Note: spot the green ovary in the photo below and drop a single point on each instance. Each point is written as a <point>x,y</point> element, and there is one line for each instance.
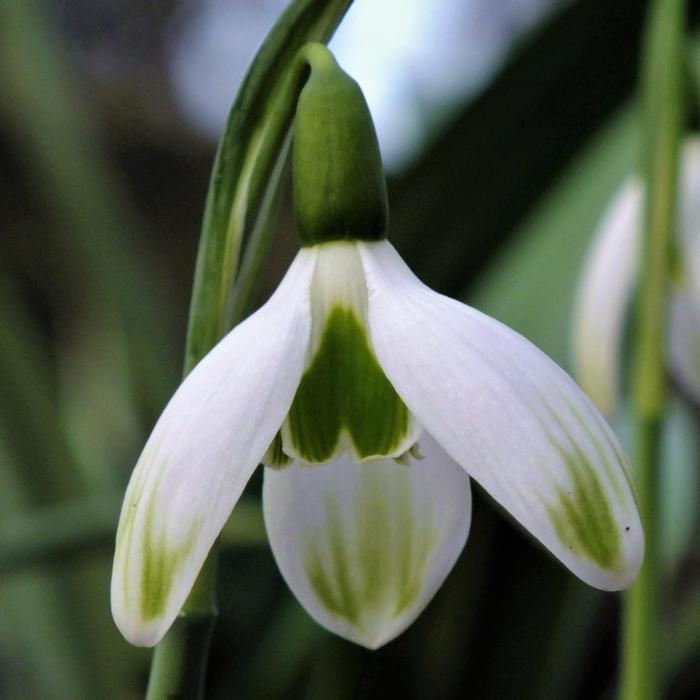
<point>345,391</point>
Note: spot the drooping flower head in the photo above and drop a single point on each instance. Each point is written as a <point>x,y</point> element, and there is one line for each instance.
<point>370,399</point>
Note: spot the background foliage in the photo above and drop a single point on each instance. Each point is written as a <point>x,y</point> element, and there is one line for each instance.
<point>102,183</point>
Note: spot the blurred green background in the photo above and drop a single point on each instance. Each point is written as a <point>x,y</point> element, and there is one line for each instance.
<point>505,125</point>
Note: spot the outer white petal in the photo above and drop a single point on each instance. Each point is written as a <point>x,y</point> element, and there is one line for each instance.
<point>684,326</point>
<point>511,417</point>
<point>689,196</point>
<point>203,449</point>
<point>603,297</point>
<point>608,279</point>
<point>684,342</point>
<point>365,546</point>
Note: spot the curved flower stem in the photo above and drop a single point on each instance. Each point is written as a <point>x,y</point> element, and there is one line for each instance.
<point>247,171</point>
<point>242,201</point>
<point>662,86</point>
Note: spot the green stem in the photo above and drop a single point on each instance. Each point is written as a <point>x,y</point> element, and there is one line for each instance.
<point>243,196</point>
<point>179,663</point>
<point>662,86</point>
<point>248,167</point>
<point>640,680</point>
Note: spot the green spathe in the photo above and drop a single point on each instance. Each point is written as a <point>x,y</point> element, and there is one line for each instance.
<point>338,179</point>
<point>344,392</point>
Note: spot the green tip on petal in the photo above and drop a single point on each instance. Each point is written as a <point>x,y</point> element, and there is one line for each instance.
<point>338,178</point>
<point>511,418</point>
<point>359,573</point>
<point>364,547</point>
<point>582,516</point>
<point>203,450</point>
<point>344,393</point>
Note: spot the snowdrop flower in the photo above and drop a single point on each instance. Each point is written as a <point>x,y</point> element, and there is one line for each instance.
<point>370,399</point>
<point>609,278</point>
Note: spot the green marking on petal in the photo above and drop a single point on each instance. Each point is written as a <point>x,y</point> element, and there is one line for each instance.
<point>332,582</point>
<point>134,496</point>
<point>345,392</point>
<point>160,560</point>
<point>583,518</point>
<point>125,530</point>
<point>275,457</point>
<point>371,567</point>
<point>582,515</point>
<point>160,563</point>
<point>617,471</point>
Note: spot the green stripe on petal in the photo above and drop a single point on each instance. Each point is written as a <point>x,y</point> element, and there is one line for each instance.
<point>582,516</point>
<point>344,396</point>
<point>202,452</point>
<point>160,557</point>
<point>161,560</point>
<point>614,463</point>
<point>365,546</point>
<point>275,456</point>
<point>356,569</point>
<point>510,417</point>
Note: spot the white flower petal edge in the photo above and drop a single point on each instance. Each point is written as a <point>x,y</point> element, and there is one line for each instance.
<point>365,546</point>
<point>204,448</point>
<point>610,274</point>
<point>684,342</point>
<point>689,207</point>
<point>684,326</point>
<point>511,418</point>
<point>604,295</point>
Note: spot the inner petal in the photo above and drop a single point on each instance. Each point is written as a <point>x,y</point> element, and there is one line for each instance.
<point>344,401</point>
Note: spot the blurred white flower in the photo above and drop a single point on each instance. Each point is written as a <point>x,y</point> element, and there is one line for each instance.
<point>609,278</point>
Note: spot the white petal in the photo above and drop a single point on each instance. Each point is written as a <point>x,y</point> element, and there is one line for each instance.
<point>365,546</point>
<point>684,326</point>
<point>609,276</point>
<point>689,194</point>
<point>684,342</point>
<point>511,417</point>
<point>603,297</point>
<point>679,485</point>
<point>203,449</point>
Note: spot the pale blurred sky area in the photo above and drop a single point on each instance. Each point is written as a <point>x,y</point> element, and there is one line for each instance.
<point>415,59</point>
